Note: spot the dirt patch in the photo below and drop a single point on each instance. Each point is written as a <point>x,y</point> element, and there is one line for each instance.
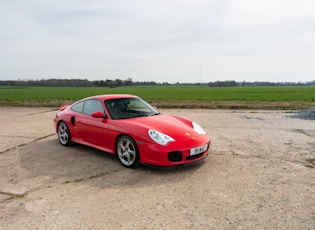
<point>252,105</point>
<point>259,175</point>
<point>184,104</point>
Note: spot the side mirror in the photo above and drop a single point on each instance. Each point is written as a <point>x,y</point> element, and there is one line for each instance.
<point>98,115</point>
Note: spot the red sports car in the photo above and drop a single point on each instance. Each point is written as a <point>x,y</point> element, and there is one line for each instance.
<point>128,126</point>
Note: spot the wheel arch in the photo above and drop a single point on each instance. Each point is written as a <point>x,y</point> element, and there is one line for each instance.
<point>58,122</point>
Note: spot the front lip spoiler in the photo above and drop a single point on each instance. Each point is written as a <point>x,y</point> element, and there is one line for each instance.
<point>199,161</point>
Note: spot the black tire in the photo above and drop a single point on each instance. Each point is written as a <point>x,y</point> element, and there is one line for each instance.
<point>64,136</point>
<point>127,152</point>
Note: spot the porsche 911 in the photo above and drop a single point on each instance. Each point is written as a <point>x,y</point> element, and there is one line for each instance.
<point>132,129</point>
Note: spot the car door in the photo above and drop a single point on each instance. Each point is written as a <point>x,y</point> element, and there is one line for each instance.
<point>92,130</point>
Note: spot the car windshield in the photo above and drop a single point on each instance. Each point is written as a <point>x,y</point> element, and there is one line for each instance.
<point>124,108</point>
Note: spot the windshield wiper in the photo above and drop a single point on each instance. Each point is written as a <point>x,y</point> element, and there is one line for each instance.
<point>154,114</point>
<point>146,115</point>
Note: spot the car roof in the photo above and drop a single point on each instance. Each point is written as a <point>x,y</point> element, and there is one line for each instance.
<point>111,96</point>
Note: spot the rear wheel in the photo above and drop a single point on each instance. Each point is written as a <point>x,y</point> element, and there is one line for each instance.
<point>127,152</point>
<point>64,134</point>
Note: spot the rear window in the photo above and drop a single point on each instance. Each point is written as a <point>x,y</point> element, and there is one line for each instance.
<point>78,107</point>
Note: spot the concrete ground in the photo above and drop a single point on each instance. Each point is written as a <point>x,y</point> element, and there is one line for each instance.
<point>259,175</point>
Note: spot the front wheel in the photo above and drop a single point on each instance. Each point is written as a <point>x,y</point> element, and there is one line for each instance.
<point>127,152</point>
<point>64,134</point>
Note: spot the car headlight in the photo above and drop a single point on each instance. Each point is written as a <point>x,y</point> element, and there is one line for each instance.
<point>198,129</point>
<point>159,138</point>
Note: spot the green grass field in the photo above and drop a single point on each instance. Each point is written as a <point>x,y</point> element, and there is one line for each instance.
<point>283,97</point>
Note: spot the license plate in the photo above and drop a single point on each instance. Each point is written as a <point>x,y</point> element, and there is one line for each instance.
<point>198,150</point>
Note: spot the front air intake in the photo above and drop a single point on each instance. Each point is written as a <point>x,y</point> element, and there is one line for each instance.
<point>175,156</point>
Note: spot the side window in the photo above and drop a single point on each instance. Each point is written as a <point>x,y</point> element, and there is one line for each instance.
<point>78,107</point>
<point>91,106</point>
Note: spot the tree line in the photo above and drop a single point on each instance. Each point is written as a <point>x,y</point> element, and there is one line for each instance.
<point>130,82</point>
<point>258,83</point>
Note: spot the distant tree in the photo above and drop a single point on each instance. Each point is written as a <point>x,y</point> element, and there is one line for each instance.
<point>128,82</point>
<point>118,82</point>
<point>223,84</point>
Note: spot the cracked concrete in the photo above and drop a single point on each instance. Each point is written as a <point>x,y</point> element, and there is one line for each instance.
<point>19,126</point>
<point>259,175</point>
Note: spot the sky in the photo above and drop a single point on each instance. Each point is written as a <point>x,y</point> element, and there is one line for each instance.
<point>186,41</point>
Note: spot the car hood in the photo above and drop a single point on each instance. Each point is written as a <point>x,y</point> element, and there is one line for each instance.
<point>176,127</point>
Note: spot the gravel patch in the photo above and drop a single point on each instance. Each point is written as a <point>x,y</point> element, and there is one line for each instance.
<point>307,114</point>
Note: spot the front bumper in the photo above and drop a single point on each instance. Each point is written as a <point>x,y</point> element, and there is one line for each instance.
<point>187,164</point>
<point>175,153</point>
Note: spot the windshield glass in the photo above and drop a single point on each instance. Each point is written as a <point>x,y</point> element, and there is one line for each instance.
<point>123,108</point>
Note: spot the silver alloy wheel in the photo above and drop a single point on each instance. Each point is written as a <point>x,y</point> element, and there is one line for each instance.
<point>63,133</point>
<point>127,152</point>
